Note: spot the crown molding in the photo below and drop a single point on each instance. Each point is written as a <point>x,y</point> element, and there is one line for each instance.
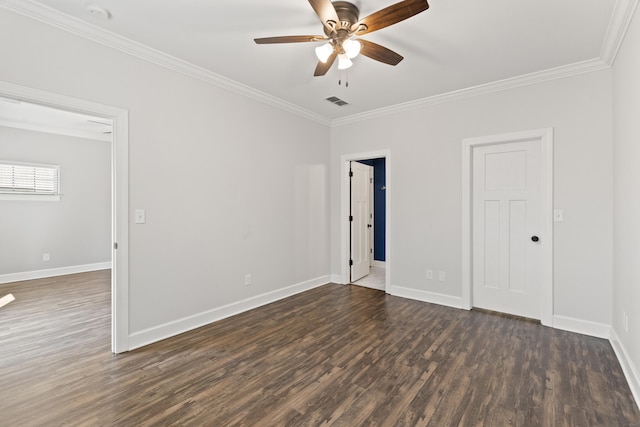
<point>623,11</point>
<point>621,16</point>
<point>484,89</point>
<point>78,27</point>
<point>620,19</point>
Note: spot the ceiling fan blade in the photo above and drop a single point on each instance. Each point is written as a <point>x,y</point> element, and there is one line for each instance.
<point>379,53</point>
<point>289,39</point>
<point>323,67</point>
<point>326,12</point>
<point>389,16</point>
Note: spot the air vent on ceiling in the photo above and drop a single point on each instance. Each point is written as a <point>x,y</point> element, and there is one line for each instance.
<point>335,100</point>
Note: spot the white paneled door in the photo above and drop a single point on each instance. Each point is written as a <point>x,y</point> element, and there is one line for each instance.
<point>360,217</point>
<point>506,224</point>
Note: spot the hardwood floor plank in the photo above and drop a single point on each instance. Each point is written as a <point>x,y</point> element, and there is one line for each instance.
<point>333,356</point>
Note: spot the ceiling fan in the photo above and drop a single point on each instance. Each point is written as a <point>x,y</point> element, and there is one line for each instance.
<point>342,24</point>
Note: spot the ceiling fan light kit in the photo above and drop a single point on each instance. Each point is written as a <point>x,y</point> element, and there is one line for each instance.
<point>341,23</point>
<point>351,48</point>
<point>324,52</point>
<point>344,62</point>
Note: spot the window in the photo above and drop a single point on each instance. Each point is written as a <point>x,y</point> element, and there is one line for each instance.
<point>20,181</point>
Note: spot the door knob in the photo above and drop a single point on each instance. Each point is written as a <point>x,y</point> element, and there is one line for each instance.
<point>534,238</point>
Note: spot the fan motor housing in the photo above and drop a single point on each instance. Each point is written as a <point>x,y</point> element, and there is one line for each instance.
<point>348,14</point>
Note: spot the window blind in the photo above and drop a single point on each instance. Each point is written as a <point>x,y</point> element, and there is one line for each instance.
<point>23,178</point>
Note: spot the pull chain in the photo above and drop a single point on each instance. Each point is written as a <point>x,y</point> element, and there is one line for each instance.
<point>340,78</point>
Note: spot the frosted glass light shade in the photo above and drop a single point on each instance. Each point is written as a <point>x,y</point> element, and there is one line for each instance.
<point>351,48</point>
<point>324,52</point>
<point>344,62</point>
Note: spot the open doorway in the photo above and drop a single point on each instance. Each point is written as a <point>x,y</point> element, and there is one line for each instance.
<point>117,119</point>
<point>365,201</point>
<point>367,223</point>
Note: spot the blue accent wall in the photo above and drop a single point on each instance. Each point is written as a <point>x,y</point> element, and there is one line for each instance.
<point>379,203</point>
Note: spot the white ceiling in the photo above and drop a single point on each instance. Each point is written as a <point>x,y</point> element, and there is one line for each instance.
<point>453,46</point>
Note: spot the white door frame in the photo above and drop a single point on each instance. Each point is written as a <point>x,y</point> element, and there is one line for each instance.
<point>344,211</point>
<point>119,194</point>
<point>545,136</point>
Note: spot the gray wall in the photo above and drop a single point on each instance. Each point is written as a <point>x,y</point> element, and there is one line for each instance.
<point>74,231</point>
<point>626,238</point>
<point>231,186</point>
<point>425,192</point>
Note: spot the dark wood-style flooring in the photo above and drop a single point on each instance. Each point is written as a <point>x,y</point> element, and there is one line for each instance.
<point>336,355</point>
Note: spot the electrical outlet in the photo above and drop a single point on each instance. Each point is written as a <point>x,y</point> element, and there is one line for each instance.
<point>45,257</point>
<point>429,274</point>
<point>247,279</point>
<point>442,276</point>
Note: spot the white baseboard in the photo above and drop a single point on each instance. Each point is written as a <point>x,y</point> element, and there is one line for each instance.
<point>629,369</point>
<point>176,327</point>
<point>585,327</point>
<point>426,296</point>
<point>380,264</point>
<point>52,272</point>
<point>336,278</point>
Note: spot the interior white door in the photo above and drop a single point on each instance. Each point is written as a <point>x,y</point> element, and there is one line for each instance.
<point>507,219</point>
<point>360,220</point>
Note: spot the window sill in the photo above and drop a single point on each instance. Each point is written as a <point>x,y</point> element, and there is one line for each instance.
<point>30,197</point>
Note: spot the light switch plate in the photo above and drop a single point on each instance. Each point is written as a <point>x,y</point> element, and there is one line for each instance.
<point>558,215</point>
<point>140,216</point>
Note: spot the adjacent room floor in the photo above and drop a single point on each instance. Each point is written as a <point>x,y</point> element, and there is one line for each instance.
<point>335,355</point>
<point>376,279</point>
